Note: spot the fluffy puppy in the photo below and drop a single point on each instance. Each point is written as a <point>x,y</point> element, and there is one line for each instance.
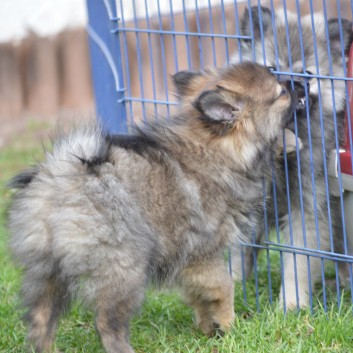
<point>103,216</point>
<point>313,220</point>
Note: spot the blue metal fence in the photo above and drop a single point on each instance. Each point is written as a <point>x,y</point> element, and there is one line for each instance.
<point>106,64</point>
<point>135,46</point>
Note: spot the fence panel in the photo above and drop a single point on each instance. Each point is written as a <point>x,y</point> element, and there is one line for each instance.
<point>137,44</point>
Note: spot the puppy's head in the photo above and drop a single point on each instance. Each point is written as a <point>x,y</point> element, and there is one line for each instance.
<point>242,102</point>
<point>308,45</point>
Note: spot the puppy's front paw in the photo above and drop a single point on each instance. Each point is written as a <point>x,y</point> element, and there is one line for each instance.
<point>213,323</point>
<point>217,330</point>
<point>291,301</point>
<point>214,329</point>
<point>291,143</point>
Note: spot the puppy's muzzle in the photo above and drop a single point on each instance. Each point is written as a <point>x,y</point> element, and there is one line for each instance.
<point>299,89</point>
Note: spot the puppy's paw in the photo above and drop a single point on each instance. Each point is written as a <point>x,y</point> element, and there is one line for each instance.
<point>291,143</point>
<point>292,303</point>
<point>216,326</point>
<point>217,331</point>
<point>212,329</point>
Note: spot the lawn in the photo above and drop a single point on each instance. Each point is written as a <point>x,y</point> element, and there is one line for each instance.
<point>164,323</point>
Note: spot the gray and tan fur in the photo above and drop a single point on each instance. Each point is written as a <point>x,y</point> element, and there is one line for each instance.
<point>103,216</point>
<point>319,97</point>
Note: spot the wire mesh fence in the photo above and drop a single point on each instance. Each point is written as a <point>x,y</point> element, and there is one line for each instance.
<point>307,235</point>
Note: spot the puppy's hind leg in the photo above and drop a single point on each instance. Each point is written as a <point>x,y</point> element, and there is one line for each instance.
<point>116,303</point>
<point>208,288</point>
<point>47,299</point>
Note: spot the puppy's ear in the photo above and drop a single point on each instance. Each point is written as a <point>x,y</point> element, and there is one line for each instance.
<point>335,36</point>
<point>255,16</point>
<point>183,81</point>
<point>219,109</point>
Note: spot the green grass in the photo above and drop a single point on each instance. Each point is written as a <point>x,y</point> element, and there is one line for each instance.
<point>164,324</point>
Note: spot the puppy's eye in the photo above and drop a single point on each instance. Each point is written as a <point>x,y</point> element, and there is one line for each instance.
<point>309,73</point>
<point>271,68</point>
<point>283,91</point>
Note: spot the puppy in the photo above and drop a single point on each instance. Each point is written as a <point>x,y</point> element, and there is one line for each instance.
<point>313,220</point>
<point>103,216</point>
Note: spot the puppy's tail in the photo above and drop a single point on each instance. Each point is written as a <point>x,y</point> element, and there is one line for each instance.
<point>86,146</point>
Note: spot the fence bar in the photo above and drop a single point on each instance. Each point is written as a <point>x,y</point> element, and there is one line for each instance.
<point>106,65</point>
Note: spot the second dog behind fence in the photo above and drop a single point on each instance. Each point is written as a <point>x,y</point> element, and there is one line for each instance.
<point>308,216</point>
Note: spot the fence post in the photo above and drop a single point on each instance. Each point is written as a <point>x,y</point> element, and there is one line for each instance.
<point>106,65</point>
